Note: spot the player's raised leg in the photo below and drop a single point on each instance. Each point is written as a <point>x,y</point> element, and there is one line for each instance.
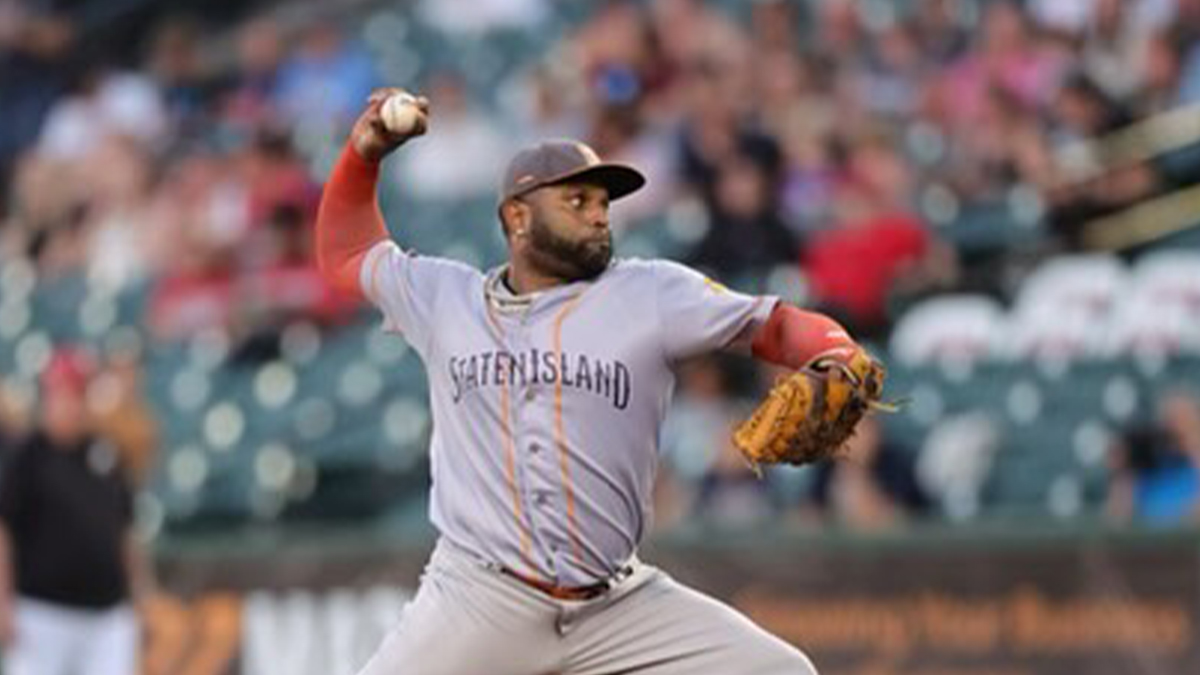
<point>466,619</point>
<point>666,628</point>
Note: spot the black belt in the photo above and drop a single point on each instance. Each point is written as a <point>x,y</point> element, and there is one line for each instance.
<point>589,592</point>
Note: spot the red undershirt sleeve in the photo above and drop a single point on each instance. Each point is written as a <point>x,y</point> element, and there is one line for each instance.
<point>349,223</point>
<point>792,337</point>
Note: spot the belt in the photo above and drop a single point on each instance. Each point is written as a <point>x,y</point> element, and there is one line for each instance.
<point>589,592</point>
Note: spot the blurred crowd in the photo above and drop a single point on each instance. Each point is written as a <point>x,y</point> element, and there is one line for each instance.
<point>830,141</point>
<point>804,134</point>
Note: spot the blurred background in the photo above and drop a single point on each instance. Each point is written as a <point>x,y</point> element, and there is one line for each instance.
<point>1001,198</point>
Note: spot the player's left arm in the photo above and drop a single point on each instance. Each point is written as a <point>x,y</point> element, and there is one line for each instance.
<point>698,315</point>
<point>794,338</point>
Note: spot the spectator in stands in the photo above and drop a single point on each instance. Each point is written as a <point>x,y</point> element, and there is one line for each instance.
<point>186,80</point>
<point>282,288</point>
<point>1115,45</point>
<point>70,568</point>
<point>889,83</point>
<point>1155,477</point>
<point>941,31</point>
<point>329,75</point>
<point>1083,112</point>
<point>706,476</point>
<point>840,32</point>
<point>120,220</point>
<point>250,93</point>
<point>271,176</point>
<point>436,170</point>
<point>875,487</point>
<point>37,42</point>
<point>774,25</point>
<point>1008,55</point>
<point>875,244</point>
<point>47,209</point>
<point>103,102</point>
<point>546,104</point>
<point>746,235</point>
<point>1166,80</point>
<point>690,32</point>
<point>473,17</point>
<point>714,131</point>
<point>1007,147</point>
<point>194,296</point>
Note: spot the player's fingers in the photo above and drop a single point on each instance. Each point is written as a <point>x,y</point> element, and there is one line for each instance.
<point>382,93</point>
<point>423,104</point>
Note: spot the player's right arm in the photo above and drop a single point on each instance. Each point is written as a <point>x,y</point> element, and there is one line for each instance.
<point>349,223</point>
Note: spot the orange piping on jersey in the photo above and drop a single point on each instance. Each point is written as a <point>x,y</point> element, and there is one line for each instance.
<point>510,467</point>
<point>560,436</point>
<point>510,456</point>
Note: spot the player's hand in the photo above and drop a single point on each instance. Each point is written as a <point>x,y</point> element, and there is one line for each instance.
<point>371,137</point>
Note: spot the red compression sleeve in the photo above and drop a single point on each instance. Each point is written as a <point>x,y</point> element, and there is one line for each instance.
<point>792,337</point>
<point>348,221</point>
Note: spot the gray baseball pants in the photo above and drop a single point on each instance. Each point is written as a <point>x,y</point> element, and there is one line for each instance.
<point>468,619</point>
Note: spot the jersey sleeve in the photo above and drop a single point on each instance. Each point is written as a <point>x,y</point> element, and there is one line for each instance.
<point>407,287</point>
<point>699,315</point>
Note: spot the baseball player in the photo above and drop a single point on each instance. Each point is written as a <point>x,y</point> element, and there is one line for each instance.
<point>549,378</point>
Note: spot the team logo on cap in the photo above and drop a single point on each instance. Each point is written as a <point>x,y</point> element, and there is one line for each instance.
<point>589,155</point>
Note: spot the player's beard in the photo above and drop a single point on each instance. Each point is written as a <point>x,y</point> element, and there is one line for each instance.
<point>568,259</point>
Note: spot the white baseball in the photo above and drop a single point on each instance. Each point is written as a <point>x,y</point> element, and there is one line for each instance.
<point>400,113</point>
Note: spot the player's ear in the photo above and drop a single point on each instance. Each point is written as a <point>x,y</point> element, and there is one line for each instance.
<point>515,215</point>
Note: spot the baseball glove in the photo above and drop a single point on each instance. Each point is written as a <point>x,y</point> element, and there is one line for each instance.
<point>809,414</point>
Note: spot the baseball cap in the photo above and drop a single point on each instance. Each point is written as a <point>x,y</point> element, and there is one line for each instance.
<point>69,369</point>
<point>560,161</point>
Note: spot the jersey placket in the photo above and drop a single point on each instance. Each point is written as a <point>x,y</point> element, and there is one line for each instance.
<point>519,401</point>
<point>507,329</point>
<point>534,433</point>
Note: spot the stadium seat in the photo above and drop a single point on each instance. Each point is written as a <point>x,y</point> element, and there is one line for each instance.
<point>947,327</point>
<point>1044,330</point>
<point>1152,324</point>
<point>1091,282</point>
<point>1170,276</point>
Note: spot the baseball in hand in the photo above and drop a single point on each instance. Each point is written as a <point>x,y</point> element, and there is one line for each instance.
<point>400,113</point>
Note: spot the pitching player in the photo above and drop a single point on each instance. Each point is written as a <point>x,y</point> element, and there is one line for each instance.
<point>549,378</point>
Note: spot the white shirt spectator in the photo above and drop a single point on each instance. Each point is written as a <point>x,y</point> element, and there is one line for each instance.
<point>459,158</point>
<point>121,103</point>
<point>480,16</point>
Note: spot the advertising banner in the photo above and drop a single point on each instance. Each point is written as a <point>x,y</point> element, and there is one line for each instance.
<point>1050,608</point>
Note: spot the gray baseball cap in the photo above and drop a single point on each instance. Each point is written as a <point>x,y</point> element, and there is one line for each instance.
<point>562,161</point>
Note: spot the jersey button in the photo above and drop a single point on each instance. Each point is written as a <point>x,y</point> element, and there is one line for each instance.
<point>540,499</point>
<point>534,448</point>
<point>530,394</point>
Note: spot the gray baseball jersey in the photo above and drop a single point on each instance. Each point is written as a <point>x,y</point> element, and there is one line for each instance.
<point>547,407</point>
